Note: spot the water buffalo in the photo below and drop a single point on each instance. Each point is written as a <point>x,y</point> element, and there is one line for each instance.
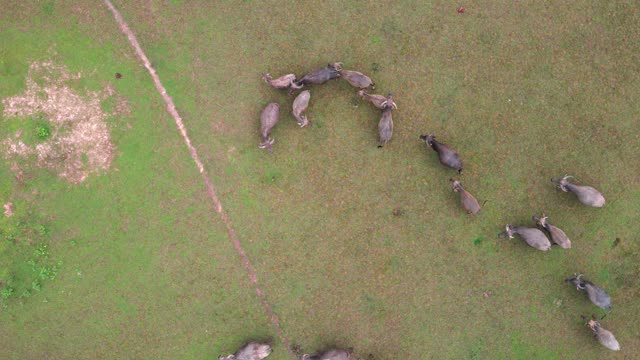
<point>268,120</point>
<point>596,294</point>
<point>300,105</point>
<point>378,101</point>
<point>532,236</point>
<point>357,79</point>
<point>321,75</point>
<point>469,202</point>
<point>385,126</point>
<point>604,336</point>
<point>251,351</point>
<point>586,194</point>
<point>448,157</point>
<point>335,354</point>
<point>557,236</point>
<point>389,103</point>
<point>283,82</point>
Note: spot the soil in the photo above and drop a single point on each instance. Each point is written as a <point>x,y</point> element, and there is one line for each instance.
<point>80,143</point>
<point>8,209</point>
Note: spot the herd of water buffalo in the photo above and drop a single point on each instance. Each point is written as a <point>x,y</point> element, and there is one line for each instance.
<point>259,351</point>
<point>271,113</point>
<point>533,236</point>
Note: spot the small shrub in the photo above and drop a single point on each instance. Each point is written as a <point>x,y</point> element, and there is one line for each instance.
<point>24,268</point>
<point>6,292</point>
<point>42,230</point>
<point>43,132</point>
<point>48,272</point>
<point>41,250</point>
<point>35,285</point>
<point>478,240</point>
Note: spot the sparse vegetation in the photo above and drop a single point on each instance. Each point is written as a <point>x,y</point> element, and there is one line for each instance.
<point>7,291</point>
<point>43,132</point>
<point>25,263</point>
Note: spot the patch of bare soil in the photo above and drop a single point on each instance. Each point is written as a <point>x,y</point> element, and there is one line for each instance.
<point>8,209</point>
<point>80,143</point>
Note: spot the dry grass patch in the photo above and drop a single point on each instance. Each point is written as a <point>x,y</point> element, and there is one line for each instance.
<point>79,143</point>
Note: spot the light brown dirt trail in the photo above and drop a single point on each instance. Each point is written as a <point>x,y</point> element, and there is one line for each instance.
<point>211,192</point>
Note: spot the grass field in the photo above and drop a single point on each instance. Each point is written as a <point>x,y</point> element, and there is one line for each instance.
<point>134,262</point>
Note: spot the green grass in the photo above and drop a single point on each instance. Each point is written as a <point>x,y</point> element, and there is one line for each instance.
<point>141,261</point>
<point>524,92</point>
<point>34,129</point>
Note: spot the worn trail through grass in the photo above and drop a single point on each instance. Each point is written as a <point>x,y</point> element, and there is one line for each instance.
<point>211,192</point>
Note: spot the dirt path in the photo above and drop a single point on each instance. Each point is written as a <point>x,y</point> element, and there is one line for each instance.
<point>211,192</point>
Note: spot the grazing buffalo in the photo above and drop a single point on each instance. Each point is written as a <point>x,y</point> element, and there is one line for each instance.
<point>268,120</point>
<point>469,202</point>
<point>389,103</point>
<point>595,293</point>
<point>251,351</point>
<point>557,236</point>
<point>283,82</point>
<point>448,156</point>
<point>532,236</point>
<point>335,354</point>
<point>357,79</point>
<point>586,194</point>
<point>300,105</point>
<point>604,336</point>
<point>385,126</point>
<point>321,75</point>
<point>378,101</point>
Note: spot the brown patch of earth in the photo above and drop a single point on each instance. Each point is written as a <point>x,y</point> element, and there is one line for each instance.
<point>80,143</point>
<point>8,209</point>
<point>17,171</point>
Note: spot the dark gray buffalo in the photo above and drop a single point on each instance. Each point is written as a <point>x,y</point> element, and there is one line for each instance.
<point>448,156</point>
<point>321,75</point>
<point>595,293</point>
